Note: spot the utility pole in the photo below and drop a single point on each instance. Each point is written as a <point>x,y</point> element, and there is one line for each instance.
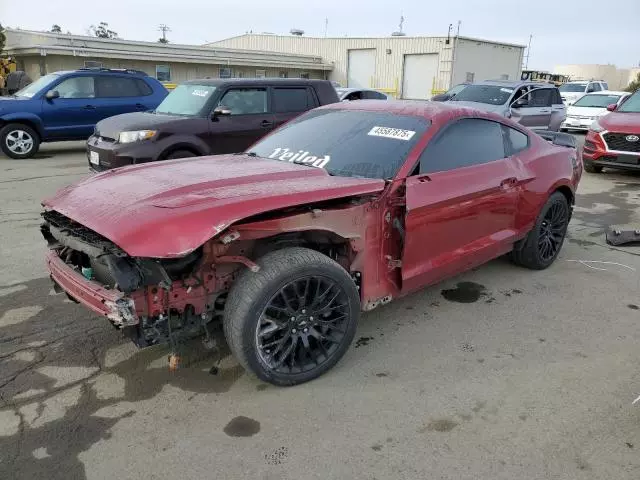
<point>164,29</point>
<point>526,65</point>
<point>326,27</point>
<point>458,30</point>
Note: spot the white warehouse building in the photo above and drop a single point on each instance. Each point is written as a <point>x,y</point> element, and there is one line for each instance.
<point>405,67</point>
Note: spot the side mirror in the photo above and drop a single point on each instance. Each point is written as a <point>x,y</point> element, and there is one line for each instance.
<point>612,107</point>
<point>51,94</point>
<point>221,111</point>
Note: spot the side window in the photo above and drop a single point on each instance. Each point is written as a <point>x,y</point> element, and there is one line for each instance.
<point>112,86</point>
<point>540,98</point>
<point>245,101</point>
<point>556,99</point>
<point>516,140</point>
<point>595,87</point>
<point>286,100</point>
<point>605,86</point>
<point>143,87</point>
<point>374,96</point>
<point>464,143</point>
<point>77,87</point>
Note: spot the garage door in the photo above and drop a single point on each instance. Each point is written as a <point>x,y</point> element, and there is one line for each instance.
<point>418,75</point>
<point>361,68</point>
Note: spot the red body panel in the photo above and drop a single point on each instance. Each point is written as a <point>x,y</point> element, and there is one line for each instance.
<point>452,220</point>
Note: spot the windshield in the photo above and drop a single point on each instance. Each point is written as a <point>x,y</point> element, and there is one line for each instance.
<point>600,101</point>
<point>631,104</point>
<point>187,100</point>
<point>33,88</point>
<point>457,89</point>
<point>351,144</point>
<point>572,87</point>
<point>491,94</point>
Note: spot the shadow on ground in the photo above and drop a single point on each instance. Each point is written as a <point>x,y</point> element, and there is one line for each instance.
<point>42,337</point>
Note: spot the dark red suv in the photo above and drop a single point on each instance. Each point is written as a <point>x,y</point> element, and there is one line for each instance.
<point>614,140</point>
<point>204,117</point>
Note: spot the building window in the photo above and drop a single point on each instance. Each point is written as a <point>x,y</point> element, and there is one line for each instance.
<point>92,64</point>
<point>470,76</point>
<point>163,73</point>
<point>504,76</point>
<point>261,73</point>
<point>283,75</point>
<point>240,74</point>
<point>304,75</point>
<point>226,72</point>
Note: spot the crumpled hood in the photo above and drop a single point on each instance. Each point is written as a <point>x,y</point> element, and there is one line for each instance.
<point>622,122</point>
<point>168,209</point>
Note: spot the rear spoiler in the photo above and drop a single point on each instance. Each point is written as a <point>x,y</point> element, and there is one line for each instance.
<point>558,138</point>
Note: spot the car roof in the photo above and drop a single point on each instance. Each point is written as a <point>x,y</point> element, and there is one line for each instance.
<point>512,83</point>
<point>353,89</point>
<point>435,111</point>
<point>216,82</point>
<point>100,71</point>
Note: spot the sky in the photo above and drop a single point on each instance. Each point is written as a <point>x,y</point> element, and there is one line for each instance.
<point>564,32</point>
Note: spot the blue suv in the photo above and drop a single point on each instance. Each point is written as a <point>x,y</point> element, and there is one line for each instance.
<point>67,105</point>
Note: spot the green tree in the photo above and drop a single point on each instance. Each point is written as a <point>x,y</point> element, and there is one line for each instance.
<point>102,31</point>
<point>3,38</point>
<point>634,85</point>
<point>56,28</point>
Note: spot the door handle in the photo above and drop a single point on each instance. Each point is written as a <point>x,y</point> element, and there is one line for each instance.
<point>89,107</point>
<point>266,124</point>
<point>509,182</point>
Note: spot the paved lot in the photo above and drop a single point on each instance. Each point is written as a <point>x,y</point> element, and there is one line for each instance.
<point>533,379</point>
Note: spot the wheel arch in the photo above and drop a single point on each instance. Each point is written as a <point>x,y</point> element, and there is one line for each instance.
<point>180,146</point>
<point>32,122</point>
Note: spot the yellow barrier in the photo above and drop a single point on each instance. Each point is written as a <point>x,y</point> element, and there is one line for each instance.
<point>169,86</point>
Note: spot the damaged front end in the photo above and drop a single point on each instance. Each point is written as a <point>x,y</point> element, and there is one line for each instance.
<point>151,300</point>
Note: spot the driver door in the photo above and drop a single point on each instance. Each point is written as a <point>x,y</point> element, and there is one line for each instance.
<point>461,206</point>
<point>536,111</point>
<point>250,120</point>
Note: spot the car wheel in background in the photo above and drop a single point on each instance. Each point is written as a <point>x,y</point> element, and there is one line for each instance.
<point>294,318</point>
<point>591,168</point>
<point>542,245</point>
<point>180,154</point>
<point>19,141</point>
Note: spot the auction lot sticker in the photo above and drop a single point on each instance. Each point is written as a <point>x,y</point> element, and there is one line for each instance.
<point>388,132</point>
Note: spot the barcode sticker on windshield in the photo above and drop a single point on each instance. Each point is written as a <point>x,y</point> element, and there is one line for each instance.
<point>388,132</point>
<point>507,90</point>
<point>199,93</point>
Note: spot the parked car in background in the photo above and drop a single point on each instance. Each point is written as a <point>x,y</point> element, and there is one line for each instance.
<point>613,140</point>
<point>532,104</point>
<point>572,91</point>
<point>590,107</point>
<point>449,94</point>
<point>67,105</point>
<point>340,211</point>
<point>360,94</point>
<point>204,117</point>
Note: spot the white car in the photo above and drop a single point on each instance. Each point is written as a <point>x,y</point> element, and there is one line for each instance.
<point>348,94</point>
<point>590,107</point>
<point>572,91</point>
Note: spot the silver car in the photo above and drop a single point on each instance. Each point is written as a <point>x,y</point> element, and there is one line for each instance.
<point>359,94</point>
<point>532,104</point>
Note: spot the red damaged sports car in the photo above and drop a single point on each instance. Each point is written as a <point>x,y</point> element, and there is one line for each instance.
<point>341,210</point>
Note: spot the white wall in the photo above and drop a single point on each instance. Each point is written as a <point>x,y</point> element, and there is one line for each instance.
<point>617,78</point>
<point>486,61</point>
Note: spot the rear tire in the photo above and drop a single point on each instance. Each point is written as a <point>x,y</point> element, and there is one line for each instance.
<point>180,154</point>
<point>591,168</point>
<point>313,308</point>
<point>19,141</point>
<point>543,243</point>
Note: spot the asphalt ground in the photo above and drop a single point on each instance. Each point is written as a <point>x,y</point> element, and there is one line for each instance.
<point>500,373</point>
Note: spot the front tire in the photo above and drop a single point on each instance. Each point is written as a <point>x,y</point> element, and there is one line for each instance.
<point>19,141</point>
<point>542,245</point>
<point>294,319</point>
<point>591,168</point>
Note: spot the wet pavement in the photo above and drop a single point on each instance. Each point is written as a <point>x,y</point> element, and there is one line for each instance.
<point>499,373</point>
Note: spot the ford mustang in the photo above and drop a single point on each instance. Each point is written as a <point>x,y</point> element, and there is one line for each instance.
<point>343,209</point>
